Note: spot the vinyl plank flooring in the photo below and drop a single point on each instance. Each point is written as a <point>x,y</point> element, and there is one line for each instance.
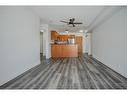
<point>83,72</point>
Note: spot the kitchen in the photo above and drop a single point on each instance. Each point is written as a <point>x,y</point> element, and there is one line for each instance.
<point>66,45</point>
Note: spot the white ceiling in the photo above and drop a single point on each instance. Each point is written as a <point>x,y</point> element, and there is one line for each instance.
<point>53,14</point>
<point>89,15</point>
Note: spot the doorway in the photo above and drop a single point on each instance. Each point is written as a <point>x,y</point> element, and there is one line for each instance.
<point>41,45</point>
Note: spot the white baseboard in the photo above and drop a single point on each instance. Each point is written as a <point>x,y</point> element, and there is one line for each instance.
<point>125,75</point>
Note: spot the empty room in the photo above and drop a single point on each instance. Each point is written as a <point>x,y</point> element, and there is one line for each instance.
<point>63,47</point>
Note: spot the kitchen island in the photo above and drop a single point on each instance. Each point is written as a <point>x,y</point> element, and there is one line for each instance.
<point>64,50</point>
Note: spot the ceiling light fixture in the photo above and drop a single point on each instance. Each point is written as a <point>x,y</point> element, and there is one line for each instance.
<point>81,31</point>
<point>41,30</point>
<point>67,31</point>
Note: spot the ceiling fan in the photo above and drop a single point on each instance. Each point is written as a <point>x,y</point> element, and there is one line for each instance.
<point>71,21</point>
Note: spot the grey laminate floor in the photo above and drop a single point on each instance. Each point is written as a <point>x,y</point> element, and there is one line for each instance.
<point>83,72</point>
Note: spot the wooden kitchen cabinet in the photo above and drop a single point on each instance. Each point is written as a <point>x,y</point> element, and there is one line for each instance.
<point>54,35</point>
<point>72,36</point>
<point>56,50</point>
<point>63,37</point>
<point>78,40</point>
<point>70,50</point>
<point>64,50</point>
<point>66,37</point>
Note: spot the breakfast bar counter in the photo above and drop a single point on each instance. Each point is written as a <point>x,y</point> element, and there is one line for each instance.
<point>64,50</point>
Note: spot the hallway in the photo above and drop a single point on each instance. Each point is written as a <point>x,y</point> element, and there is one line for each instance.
<point>83,72</point>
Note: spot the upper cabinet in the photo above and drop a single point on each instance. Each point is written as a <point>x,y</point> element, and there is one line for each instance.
<point>66,37</point>
<point>72,36</point>
<point>54,35</point>
<point>63,37</point>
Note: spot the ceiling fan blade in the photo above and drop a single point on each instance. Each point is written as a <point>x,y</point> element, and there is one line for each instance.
<point>64,21</point>
<point>73,25</point>
<point>78,23</point>
<point>72,22</point>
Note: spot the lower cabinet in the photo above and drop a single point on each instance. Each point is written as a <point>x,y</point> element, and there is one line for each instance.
<point>56,50</point>
<point>64,50</point>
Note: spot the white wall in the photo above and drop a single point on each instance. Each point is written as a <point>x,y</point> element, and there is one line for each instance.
<point>46,40</point>
<point>19,42</point>
<point>88,44</point>
<point>109,42</point>
<point>44,43</point>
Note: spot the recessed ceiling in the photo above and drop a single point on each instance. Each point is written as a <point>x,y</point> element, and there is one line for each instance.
<point>53,14</point>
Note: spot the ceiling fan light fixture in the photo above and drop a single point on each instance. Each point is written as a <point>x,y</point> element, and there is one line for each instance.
<point>71,22</point>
